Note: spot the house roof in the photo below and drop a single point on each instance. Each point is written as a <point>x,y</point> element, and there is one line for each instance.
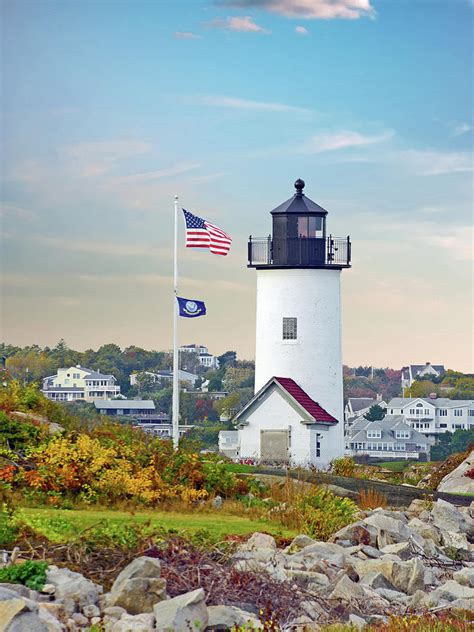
<point>386,426</point>
<point>125,404</point>
<point>439,402</point>
<point>418,368</point>
<point>312,410</point>
<point>304,400</point>
<point>359,403</point>
<point>299,203</point>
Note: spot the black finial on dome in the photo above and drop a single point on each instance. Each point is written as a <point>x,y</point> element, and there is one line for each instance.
<point>299,186</point>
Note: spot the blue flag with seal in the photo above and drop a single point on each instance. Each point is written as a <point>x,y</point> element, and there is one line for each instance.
<point>191,308</point>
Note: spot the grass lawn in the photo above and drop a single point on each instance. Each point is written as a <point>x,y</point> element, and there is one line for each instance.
<point>60,525</point>
<point>394,466</point>
<point>240,468</point>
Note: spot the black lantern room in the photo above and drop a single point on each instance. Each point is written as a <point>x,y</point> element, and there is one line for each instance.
<point>299,238</point>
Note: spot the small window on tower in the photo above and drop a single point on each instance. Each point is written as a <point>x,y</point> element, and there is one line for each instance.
<point>289,329</point>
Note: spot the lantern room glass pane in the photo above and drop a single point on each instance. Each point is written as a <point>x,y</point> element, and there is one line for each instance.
<point>303,226</point>
<point>315,226</point>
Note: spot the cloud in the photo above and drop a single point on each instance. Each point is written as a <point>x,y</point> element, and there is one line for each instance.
<point>310,9</point>
<point>246,104</point>
<point>461,128</point>
<point>301,30</point>
<point>341,140</point>
<point>150,176</point>
<point>96,158</point>
<point>434,163</point>
<point>186,35</point>
<point>7,209</point>
<point>100,248</point>
<point>159,279</point>
<point>242,24</point>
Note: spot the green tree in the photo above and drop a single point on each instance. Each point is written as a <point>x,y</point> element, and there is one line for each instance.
<point>376,413</point>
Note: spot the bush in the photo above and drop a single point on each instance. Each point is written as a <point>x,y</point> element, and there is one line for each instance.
<point>9,528</point>
<point>371,499</point>
<point>343,466</point>
<point>31,574</point>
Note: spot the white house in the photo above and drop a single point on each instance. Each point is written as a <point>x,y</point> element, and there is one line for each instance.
<point>183,376</point>
<point>357,407</point>
<point>78,383</point>
<point>413,371</point>
<point>205,358</point>
<point>282,424</point>
<point>389,438</point>
<point>229,443</point>
<point>298,417</point>
<point>434,415</point>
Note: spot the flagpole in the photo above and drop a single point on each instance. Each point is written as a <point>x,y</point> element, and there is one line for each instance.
<point>175,418</point>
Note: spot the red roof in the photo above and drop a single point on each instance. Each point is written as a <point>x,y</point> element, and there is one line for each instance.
<point>304,400</point>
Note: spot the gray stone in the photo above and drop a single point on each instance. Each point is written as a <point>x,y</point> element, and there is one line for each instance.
<point>25,622</point>
<point>356,621</point>
<point>308,578</point>
<point>347,590</point>
<point>465,577</point>
<point>425,530</point>
<point>448,517</point>
<point>406,577</point>
<point>390,595</point>
<point>450,591</point>
<point>230,617</point>
<point>375,580</point>
<point>402,549</point>
<point>80,619</point>
<point>185,613</point>
<point>357,533</point>
<point>73,586</point>
<point>217,502</point>
<point>456,482</point>
<point>371,551</point>
<point>49,620</point>
<point>455,545</point>
<point>391,530</point>
<point>330,553</point>
<point>139,586</point>
<point>258,541</point>
<point>48,589</point>
<point>463,604</point>
<point>134,623</point>
<point>299,543</point>
<point>7,591</point>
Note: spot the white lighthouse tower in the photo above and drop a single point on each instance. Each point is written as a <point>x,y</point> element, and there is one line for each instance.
<point>297,412</point>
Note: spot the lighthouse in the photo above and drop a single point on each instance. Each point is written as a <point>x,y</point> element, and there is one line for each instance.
<point>296,415</point>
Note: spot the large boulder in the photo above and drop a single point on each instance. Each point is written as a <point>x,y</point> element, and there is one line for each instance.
<point>456,482</point>
<point>407,577</point>
<point>391,530</point>
<point>450,591</point>
<point>449,518</point>
<point>138,587</point>
<point>231,618</point>
<point>73,589</point>
<point>259,541</point>
<point>134,623</point>
<point>185,613</point>
<point>465,576</point>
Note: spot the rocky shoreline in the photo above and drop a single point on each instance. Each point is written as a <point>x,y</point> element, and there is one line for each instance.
<point>388,562</point>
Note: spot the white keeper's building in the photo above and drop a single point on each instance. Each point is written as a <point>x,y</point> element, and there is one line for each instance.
<point>296,415</point>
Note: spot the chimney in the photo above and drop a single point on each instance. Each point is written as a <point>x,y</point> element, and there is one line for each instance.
<point>379,397</point>
<point>433,395</point>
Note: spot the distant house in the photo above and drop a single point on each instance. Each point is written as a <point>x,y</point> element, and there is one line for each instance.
<point>126,407</point>
<point>183,376</point>
<point>142,414</point>
<point>357,407</point>
<point>427,370</point>
<point>229,443</point>
<point>205,358</point>
<point>434,415</point>
<point>78,383</point>
<point>390,438</point>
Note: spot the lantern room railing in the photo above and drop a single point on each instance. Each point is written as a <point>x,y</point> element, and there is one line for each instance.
<point>330,252</point>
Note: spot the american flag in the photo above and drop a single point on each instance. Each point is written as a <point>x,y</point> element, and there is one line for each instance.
<point>203,234</point>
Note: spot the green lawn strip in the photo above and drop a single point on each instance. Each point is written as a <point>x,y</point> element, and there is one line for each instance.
<point>240,468</point>
<point>394,466</point>
<point>60,525</point>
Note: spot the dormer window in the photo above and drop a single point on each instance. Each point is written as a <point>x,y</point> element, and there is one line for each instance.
<point>402,434</point>
<point>374,434</point>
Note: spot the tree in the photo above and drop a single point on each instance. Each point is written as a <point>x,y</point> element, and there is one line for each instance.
<point>229,405</point>
<point>227,359</point>
<point>376,413</point>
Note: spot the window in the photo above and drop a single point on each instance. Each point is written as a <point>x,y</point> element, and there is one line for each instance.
<point>442,412</point>
<point>458,412</point>
<point>427,412</point>
<point>318,445</point>
<point>471,413</point>
<point>374,434</point>
<point>289,329</point>
<point>443,425</point>
<point>412,411</point>
<point>402,434</point>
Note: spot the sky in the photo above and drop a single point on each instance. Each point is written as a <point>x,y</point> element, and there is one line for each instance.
<point>111,108</point>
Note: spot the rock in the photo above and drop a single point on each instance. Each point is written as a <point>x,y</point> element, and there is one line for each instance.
<point>18,589</point>
<point>455,482</point>
<point>448,592</point>
<point>390,595</point>
<point>48,619</point>
<point>347,590</point>
<point>376,580</point>
<point>25,622</point>
<point>390,530</point>
<point>448,518</point>
<point>305,579</point>
<point>185,613</point>
<point>259,541</point>
<point>327,552</point>
<point>357,533</point>
<point>230,617</point>
<point>91,611</point>
<point>406,576</point>
<point>371,551</point>
<point>425,530</point>
<point>357,622</point>
<point>217,502</point>
<point>48,589</point>
<point>465,577</point>
<point>80,619</point>
<point>139,586</point>
<point>455,545</point>
<point>299,543</point>
<point>417,506</point>
<point>402,549</point>
<point>9,608</point>
<point>144,622</point>
<point>72,587</point>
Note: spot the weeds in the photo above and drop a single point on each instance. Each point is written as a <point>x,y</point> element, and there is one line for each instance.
<point>31,574</point>
<point>370,498</point>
